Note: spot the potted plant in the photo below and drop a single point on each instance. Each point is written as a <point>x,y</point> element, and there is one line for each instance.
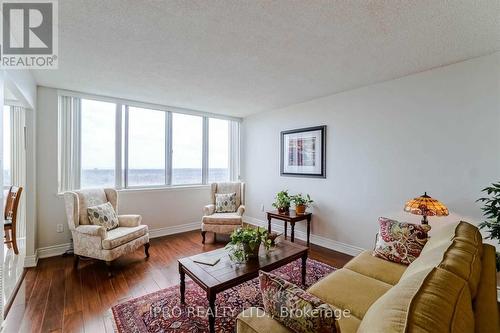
<point>491,211</point>
<point>301,202</point>
<point>282,202</point>
<point>245,243</point>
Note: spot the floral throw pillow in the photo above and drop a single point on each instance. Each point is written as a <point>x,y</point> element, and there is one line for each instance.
<point>225,202</point>
<point>400,242</point>
<point>294,307</point>
<point>103,215</point>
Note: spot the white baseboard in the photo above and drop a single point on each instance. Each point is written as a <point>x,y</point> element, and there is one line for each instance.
<point>175,229</point>
<point>52,251</point>
<point>314,239</point>
<point>31,261</point>
<point>57,250</point>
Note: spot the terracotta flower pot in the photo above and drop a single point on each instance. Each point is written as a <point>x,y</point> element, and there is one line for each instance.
<point>300,209</point>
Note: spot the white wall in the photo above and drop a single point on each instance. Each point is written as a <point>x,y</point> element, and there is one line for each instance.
<point>164,211</point>
<point>436,131</point>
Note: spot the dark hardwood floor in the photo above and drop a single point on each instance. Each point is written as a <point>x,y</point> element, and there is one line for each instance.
<point>55,298</point>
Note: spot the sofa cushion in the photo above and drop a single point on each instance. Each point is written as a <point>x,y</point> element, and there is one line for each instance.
<point>471,234</point>
<point>122,235</point>
<point>380,269</point>
<point>222,218</point>
<point>432,300</point>
<point>255,320</point>
<point>400,242</point>
<point>349,290</point>
<point>485,305</point>
<point>459,230</point>
<point>458,256</point>
<point>294,307</point>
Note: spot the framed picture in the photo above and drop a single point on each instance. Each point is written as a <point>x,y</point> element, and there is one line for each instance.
<point>303,152</point>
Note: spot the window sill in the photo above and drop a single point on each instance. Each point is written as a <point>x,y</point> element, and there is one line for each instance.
<point>157,189</point>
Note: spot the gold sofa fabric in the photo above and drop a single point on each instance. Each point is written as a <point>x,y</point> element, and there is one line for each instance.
<point>345,289</point>
<point>377,268</point>
<point>458,256</point>
<point>485,304</point>
<point>451,287</point>
<point>253,320</point>
<point>432,300</point>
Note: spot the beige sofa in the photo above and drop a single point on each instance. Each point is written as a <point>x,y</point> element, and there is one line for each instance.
<point>451,287</point>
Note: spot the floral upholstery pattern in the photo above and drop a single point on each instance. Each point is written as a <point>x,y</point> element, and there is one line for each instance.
<point>225,202</point>
<point>95,241</point>
<point>227,222</point>
<point>400,242</point>
<point>294,307</point>
<point>103,215</point>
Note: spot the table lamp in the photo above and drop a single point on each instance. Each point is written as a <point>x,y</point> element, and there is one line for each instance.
<point>426,206</point>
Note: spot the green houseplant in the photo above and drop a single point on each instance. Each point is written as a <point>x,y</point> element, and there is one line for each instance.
<point>282,201</point>
<point>301,202</point>
<point>245,243</point>
<point>491,211</point>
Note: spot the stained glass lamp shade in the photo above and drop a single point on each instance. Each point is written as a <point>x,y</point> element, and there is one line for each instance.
<point>426,206</point>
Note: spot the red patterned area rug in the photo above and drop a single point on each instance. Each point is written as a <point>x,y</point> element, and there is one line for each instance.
<point>161,311</point>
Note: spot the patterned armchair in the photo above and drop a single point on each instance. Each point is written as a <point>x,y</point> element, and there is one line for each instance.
<point>95,241</point>
<point>223,223</point>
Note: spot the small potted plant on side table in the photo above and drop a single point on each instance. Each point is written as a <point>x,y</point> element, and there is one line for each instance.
<point>282,202</point>
<point>245,243</point>
<point>491,212</point>
<point>301,202</point>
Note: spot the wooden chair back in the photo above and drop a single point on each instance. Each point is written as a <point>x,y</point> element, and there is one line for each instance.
<point>12,203</point>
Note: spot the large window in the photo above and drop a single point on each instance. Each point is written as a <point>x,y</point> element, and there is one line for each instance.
<point>187,149</point>
<point>97,144</point>
<point>146,147</point>
<point>106,144</point>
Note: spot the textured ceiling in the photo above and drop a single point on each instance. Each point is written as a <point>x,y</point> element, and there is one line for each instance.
<point>242,57</point>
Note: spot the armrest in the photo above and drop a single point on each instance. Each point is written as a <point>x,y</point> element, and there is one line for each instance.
<point>241,210</point>
<point>92,230</point>
<point>208,210</point>
<point>129,220</point>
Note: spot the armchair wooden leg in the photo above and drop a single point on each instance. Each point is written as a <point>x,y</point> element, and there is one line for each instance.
<point>76,261</point>
<point>110,272</point>
<point>203,237</point>
<point>146,249</point>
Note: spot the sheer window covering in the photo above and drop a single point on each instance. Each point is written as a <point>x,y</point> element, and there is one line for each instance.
<point>18,161</point>
<point>69,137</point>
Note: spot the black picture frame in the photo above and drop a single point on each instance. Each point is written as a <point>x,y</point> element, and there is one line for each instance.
<point>322,173</point>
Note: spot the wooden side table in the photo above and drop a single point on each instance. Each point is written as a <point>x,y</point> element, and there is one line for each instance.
<point>290,217</point>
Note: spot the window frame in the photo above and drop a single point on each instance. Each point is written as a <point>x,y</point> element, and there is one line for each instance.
<point>122,141</point>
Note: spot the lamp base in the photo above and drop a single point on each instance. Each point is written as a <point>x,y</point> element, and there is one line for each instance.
<point>424,220</point>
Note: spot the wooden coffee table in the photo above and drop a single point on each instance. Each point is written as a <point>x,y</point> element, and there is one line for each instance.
<point>227,274</point>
